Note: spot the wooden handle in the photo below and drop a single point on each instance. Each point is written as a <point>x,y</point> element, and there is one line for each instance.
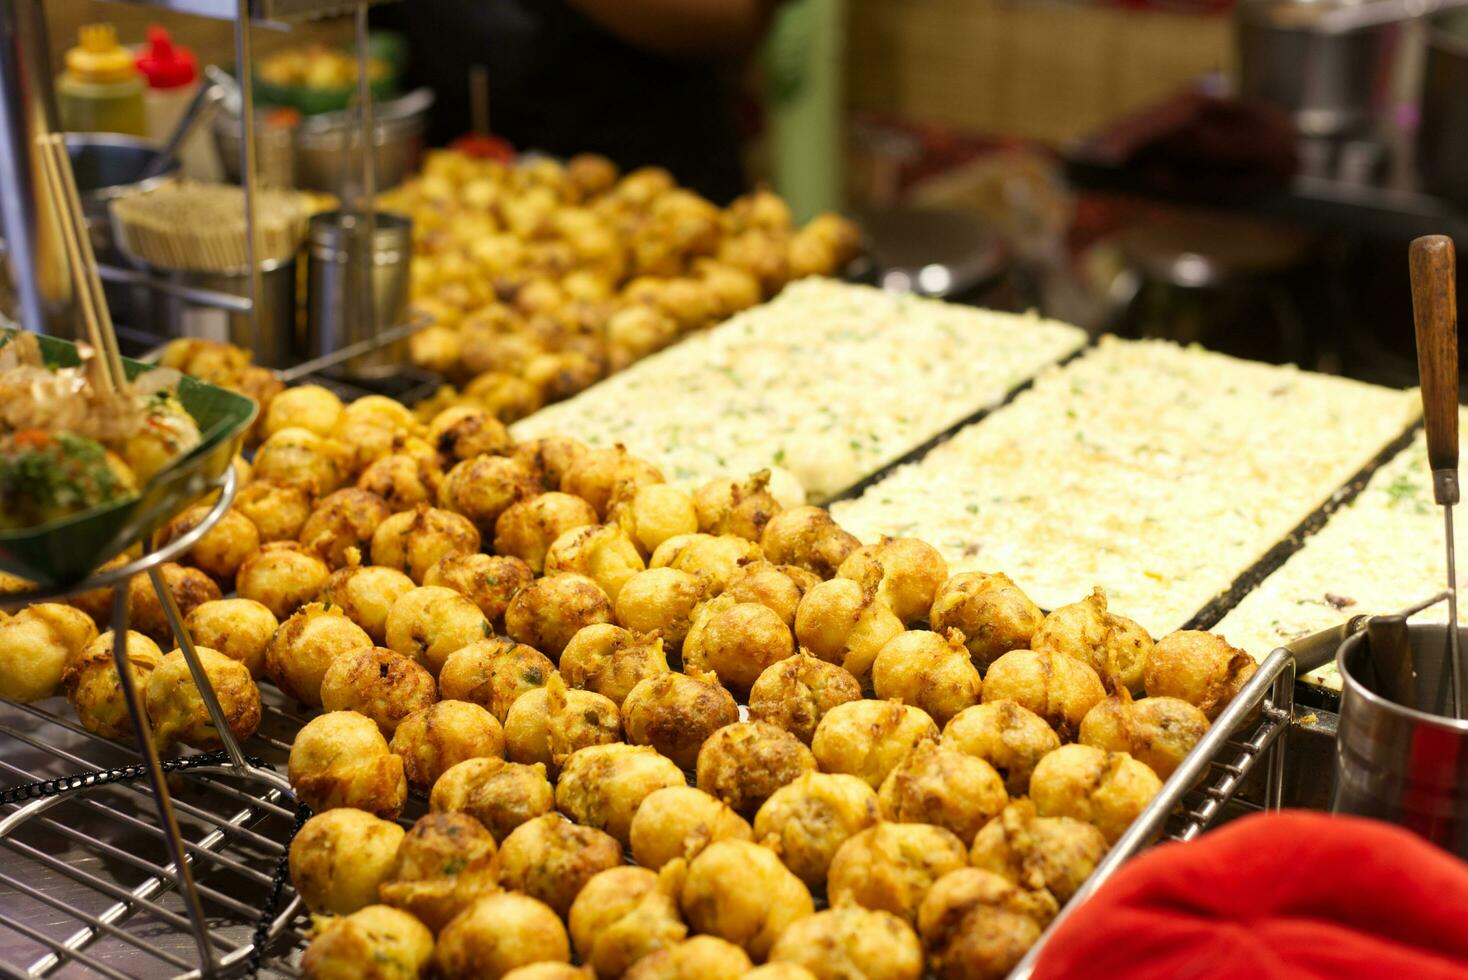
<point>1435,307</point>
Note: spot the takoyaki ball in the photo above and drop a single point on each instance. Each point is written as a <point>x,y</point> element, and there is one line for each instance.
<point>891,866</point>
<point>549,971</point>
<point>466,431</point>
<point>493,672</point>
<point>483,487</point>
<point>591,174</point>
<point>223,548</point>
<point>402,481</point>
<point>796,693</point>
<point>675,714</point>
<point>527,529</point>
<point>808,538</point>
<point>498,933</point>
<point>436,348</point>
<point>432,740</point>
<point>771,586</point>
<point>1157,732</point>
<point>1057,854</point>
<point>35,645</point>
<point>927,670</point>
<point>94,689</point>
<point>662,601</point>
<point>733,507</point>
<point>282,576</point>
<point>297,656</point>
<point>301,458</point>
<point>603,785</point>
<point>779,971</point>
<point>652,514</point>
<point>623,914</point>
<point>634,332</point>
<point>504,799</point>
<point>190,587</point>
<point>602,552</point>
<point>869,738</point>
<point>489,581</point>
<point>611,661</point>
<point>431,622</point>
<point>443,865</point>
<point>990,611</point>
<point>680,821</point>
<point>744,763</point>
<point>96,603</point>
<point>1008,736</point>
<point>598,475</point>
<point>367,439</point>
<point>741,892</point>
<point>278,510</point>
<point>366,594</point>
<point>698,958</point>
<point>505,396</point>
<point>238,628</point>
<point>549,611</point>
<point>945,788</point>
<point>342,525</point>
<point>1115,647</point>
<point>807,821</point>
<point>310,407</point>
<point>561,374</point>
<point>341,759</point>
<point>910,573</point>
<point>1059,689</point>
<point>548,458</point>
<point>978,926</point>
<point>375,943</point>
<point>383,685</point>
<point>1105,789</point>
<point>548,724</point>
<point>338,858</point>
<point>844,623</point>
<point>736,641</point>
<point>1201,668</point>
<point>850,941</point>
<point>716,559</point>
<point>415,540</point>
<point>176,708</point>
<point>550,858</point>
<point>382,410</point>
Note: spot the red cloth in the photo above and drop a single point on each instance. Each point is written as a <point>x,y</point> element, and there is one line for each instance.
<point>1292,895</point>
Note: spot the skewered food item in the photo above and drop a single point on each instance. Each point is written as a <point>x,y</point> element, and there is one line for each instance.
<point>483,487</point>
<point>991,612</point>
<point>307,644</point>
<point>611,661</point>
<point>1057,854</point>
<point>551,859</point>
<point>1059,689</point>
<point>549,611</point>
<point>365,594</point>
<point>737,643</point>
<point>341,527</point>
<point>375,943</point>
<point>1157,732</point>
<point>844,622</point>
<point>796,693</point>
<point>309,407</point>
<point>1105,789</point>
<point>238,628</point>
<point>383,685</point>
<point>891,866</point>
<point>662,601</point>
<point>282,576</point>
<point>602,552</point>
<point>623,914</point>
<point>1200,668</point>
<point>501,796</point>
<point>680,821</point>
<point>527,528</point>
<point>741,892</point>
<point>714,558</point>
<point>734,507</point>
<point>945,788</point>
<point>547,725</point>
<point>602,786</point>
<point>498,933</point>
<point>1007,736</point>
<point>597,476</point>
<point>341,759</point>
<point>489,581</point>
<point>653,513</point>
<point>807,821</point>
<point>909,574</point>
<point>869,738</point>
<point>223,548</point>
<point>493,672</point>
<point>177,710</point>
<point>927,670</point>
<point>675,714</point>
<point>696,958</point>
<point>743,764</point>
<point>431,740</point>
<point>190,588</point>
<point>301,458</point>
<point>852,941</point>
<point>415,540</point>
<point>977,926</point>
<point>35,645</point>
<point>442,866</point>
<point>431,622</point>
<point>1115,647</point>
<point>338,858</point>
<point>94,689</point>
<point>278,510</point>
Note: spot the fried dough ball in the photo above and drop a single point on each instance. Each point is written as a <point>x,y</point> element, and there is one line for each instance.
<point>489,581</point>
<point>500,795</point>
<point>808,538</point>
<point>978,926</point>
<point>736,641</point>
<point>466,431</point>
<point>177,711</point>
<point>415,540</point>
<point>549,971</point>
<point>741,892</point>
<point>432,740</point>
<point>431,622</point>
<point>776,587</point>
<point>796,693</point>
<point>1105,789</point>
<point>1114,647</point>
<point>297,656</point>
<point>365,594</point>
<point>548,724</point>
<point>443,865</point>
<point>623,914</point>
<point>869,738</point>
<point>844,623</point>
<point>850,941</point>
<point>890,866</point>
<point>807,821</point>
<point>731,507</point>
<point>945,788</point>
<point>1057,854</point>
<point>309,407</point>
<point>96,603</point>
<point>190,588</point>
<point>1157,732</point>
<point>223,548</point>
<point>301,458</point>
<point>744,763</point>
<point>527,528</point>
<point>483,487</point>
<point>498,933</point>
<point>282,577</point>
<point>909,572</point>
<point>343,524</point>
<point>238,628</point>
<point>662,601</point>
<point>493,673</point>
<point>675,714</point>
<point>1059,689</point>
<point>634,332</point>
<point>375,943</point>
<point>339,857</point>
<point>603,785</point>
<point>341,759</point>
<point>716,559</point>
<point>550,858</point>
<point>1200,668</point>
<point>597,475</point>
<point>383,685</point>
<point>924,669</point>
<point>601,552</point>
<point>654,513</point>
<point>680,821</point>
<point>549,611</point>
<point>402,480</point>
<point>548,458</point>
<point>1007,735</point>
<point>990,611</point>
<point>35,645</point>
<point>278,510</point>
<point>779,971</point>
<point>94,689</point>
<point>698,958</point>
<point>611,661</point>
<point>507,397</point>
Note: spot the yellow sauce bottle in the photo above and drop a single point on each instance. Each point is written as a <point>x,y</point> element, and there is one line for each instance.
<point>101,90</point>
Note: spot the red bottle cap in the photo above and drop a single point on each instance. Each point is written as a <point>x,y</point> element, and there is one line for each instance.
<point>165,65</point>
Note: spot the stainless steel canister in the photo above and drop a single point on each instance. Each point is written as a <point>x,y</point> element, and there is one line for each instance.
<point>346,275</point>
<point>176,314</point>
<point>1403,765</point>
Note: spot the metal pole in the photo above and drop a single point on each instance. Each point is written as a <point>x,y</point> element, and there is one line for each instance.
<point>20,212</point>
<point>249,158</point>
<point>367,262</point>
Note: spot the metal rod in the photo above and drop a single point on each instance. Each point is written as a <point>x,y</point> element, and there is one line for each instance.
<point>249,159</point>
<point>1460,669</point>
<point>350,351</point>
<point>367,261</point>
<point>203,297</point>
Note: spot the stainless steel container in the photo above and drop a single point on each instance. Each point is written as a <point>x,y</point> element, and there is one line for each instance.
<point>1403,765</point>
<point>175,314</point>
<point>1442,150</point>
<point>344,275</point>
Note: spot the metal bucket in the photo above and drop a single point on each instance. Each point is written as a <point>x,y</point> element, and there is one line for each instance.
<point>176,315</point>
<point>1402,765</point>
<point>337,314</point>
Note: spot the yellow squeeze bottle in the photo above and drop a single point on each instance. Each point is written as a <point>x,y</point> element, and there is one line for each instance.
<point>101,90</point>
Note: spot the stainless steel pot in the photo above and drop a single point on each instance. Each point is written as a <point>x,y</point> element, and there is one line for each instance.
<point>337,311</point>
<point>175,315</point>
<point>1442,148</point>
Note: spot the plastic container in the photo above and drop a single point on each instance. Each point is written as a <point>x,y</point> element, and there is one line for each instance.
<point>101,90</point>
<point>172,75</point>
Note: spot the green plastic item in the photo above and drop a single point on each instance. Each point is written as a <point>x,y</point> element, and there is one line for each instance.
<point>68,550</point>
<point>802,61</point>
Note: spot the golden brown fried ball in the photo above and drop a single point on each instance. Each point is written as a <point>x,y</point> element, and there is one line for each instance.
<point>844,623</point>
<point>432,622</point>
<point>990,611</point>
<point>501,797</point>
<point>375,943</point>
<point>633,332</point>
<point>698,958</point>
<point>1200,668</point>
<point>611,661</point>
<point>909,572</point>
<point>341,759</point>
<point>96,603</point>
<point>850,941</point>
<point>94,689</point>
<point>796,693</point>
<point>301,458</point>
<point>680,821</point>
<point>177,710</point>
<point>591,174</point>
<point>676,713</point>
<point>339,857</point>
<point>1105,789</point>
<point>282,577</point>
<point>35,645</point>
<point>603,785</point>
<point>310,407</point>
<point>924,669</point>
<point>890,866</point>
<point>402,480</point>
<point>548,458</point>
<point>550,858</point>
<point>945,788</point>
<point>383,685</point>
<point>1008,736</point>
<point>715,559</point>
<point>978,926</point>
<point>771,586</point>
<point>1115,647</point>
<point>342,525</point>
<point>741,892</point>
<point>623,914</point>
<point>435,348</point>
<point>489,581</point>
<point>601,552</point>
<point>549,611</point>
<point>527,529</point>
<point>598,475</point>
<point>779,971</point>
<point>444,864</point>
<point>1059,689</point>
<point>190,588</point>
<point>549,971</point>
<point>431,740</point>
<point>415,540</point>
<point>806,821</point>
<point>466,431</point>
<point>744,763</point>
<point>548,724</point>
<point>493,672</point>
<point>278,510</point>
<point>238,628</point>
<point>662,601</point>
<point>808,538</point>
<point>483,487</point>
<point>869,738</point>
<point>297,656</point>
<point>1057,854</point>
<point>365,594</point>
<point>223,548</point>
<point>498,933</point>
<point>736,641</point>
<point>1157,732</point>
<point>731,507</point>
<point>652,514</point>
